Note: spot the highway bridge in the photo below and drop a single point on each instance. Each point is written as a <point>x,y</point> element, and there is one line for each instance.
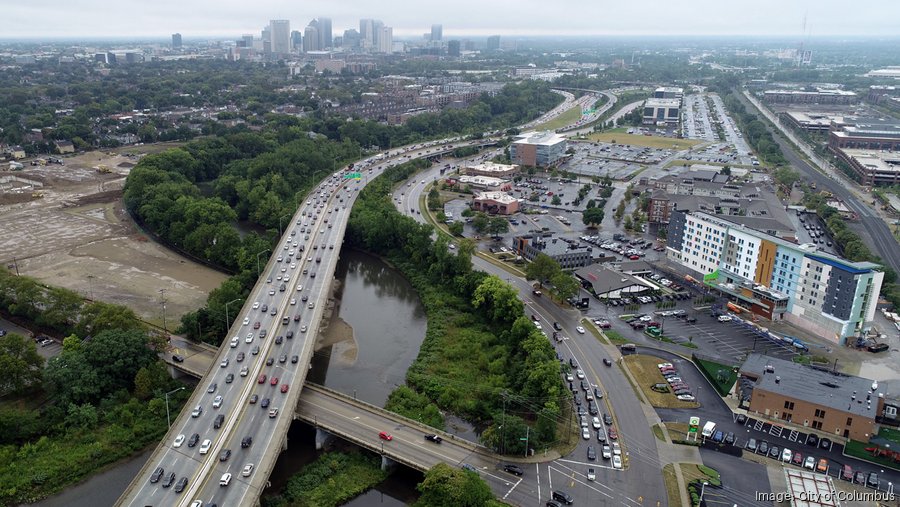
<point>251,387</point>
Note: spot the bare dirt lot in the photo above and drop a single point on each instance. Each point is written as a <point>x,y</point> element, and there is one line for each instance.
<point>69,229</point>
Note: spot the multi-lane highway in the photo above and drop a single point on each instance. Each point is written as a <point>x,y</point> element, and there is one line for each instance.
<point>255,381</point>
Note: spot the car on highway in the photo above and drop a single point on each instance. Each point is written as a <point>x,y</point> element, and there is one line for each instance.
<point>212,388</point>
<point>169,480</point>
<point>294,359</point>
<point>234,342</point>
<point>156,475</point>
<point>579,329</point>
<point>270,361</point>
<point>591,474</point>
<point>256,305</point>
<point>249,338</point>
<point>244,371</point>
<point>385,436</point>
<point>284,388</point>
<point>193,440</point>
<point>585,433</point>
<point>178,441</point>
<point>246,321</point>
<point>255,350</point>
<point>197,411</point>
<point>218,401</point>
<point>204,447</point>
<point>225,454</point>
<point>261,379</point>
<point>182,483</point>
<point>247,470</point>
<point>225,480</point>
<point>591,453</point>
<point>274,381</point>
<point>246,442</point>
<point>273,413</point>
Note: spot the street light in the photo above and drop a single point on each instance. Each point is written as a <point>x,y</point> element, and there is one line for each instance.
<point>168,418</point>
<point>279,223</point>
<point>257,260</point>
<point>227,320</point>
<point>702,487</point>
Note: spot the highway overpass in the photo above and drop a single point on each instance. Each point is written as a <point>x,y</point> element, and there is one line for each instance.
<point>264,358</point>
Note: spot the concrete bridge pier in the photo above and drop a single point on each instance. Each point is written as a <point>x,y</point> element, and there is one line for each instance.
<point>387,463</point>
<point>322,439</point>
<point>173,372</point>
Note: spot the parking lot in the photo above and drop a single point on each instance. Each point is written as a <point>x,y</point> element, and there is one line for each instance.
<point>619,161</point>
<point>731,340</point>
<point>697,120</point>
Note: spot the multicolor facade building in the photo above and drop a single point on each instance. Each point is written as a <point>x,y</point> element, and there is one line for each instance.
<point>779,280</point>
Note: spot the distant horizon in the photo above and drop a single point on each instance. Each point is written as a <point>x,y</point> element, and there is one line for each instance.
<point>186,37</point>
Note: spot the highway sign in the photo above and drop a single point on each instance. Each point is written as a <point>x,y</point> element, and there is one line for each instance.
<point>353,176</point>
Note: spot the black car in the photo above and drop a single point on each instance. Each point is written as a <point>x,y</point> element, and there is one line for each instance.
<point>763,448</point>
<point>264,403</point>
<point>177,358</point>
<point>812,440</point>
<point>598,394</point>
<point>212,387</point>
<point>585,386</point>
<point>193,440</point>
<point>225,454</point>
<point>229,378</point>
<point>741,419</point>
<point>591,453</point>
<point>270,361</point>
<point>578,399</point>
<point>278,340</point>
<point>182,483</point>
<point>294,359</point>
<point>774,452</point>
<point>601,437</point>
<point>556,326</point>
<point>825,444</point>
<point>691,320</point>
<point>169,480</point>
<point>240,356</point>
<point>246,442</point>
<point>264,308</point>
<point>218,422</point>
<point>573,363</point>
<point>562,496</point>
<point>592,408</point>
<point>434,438</point>
<point>155,476</point>
<point>729,438</point>
<point>872,480</point>
<point>607,362</point>
<point>553,503</point>
<point>607,419</point>
<point>513,469</point>
<point>289,335</point>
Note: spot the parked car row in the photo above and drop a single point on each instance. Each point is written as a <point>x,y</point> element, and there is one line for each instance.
<point>679,387</point>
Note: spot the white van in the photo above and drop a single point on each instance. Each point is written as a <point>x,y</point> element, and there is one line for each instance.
<point>708,429</point>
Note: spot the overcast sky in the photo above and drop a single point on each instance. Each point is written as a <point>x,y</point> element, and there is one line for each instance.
<point>475,18</point>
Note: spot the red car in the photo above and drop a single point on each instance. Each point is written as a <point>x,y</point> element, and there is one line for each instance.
<point>284,388</point>
<point>274,381</point>
<point>613,434</point>
<point>256,325</point>
<point>261,379</point>
<point>297,318</point>
<point>385,436</point>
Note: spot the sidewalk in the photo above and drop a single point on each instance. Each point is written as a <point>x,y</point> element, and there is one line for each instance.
<point>673,454</point>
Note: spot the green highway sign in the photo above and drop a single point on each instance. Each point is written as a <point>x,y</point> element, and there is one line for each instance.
<point>353,176</point>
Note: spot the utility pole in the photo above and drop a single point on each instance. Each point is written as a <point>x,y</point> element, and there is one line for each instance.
<point>527,429</point>
<point>91,283</point>
<point>162,297</point>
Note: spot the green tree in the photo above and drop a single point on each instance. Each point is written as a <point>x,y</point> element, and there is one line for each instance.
<point>498,299</point>
<point>628,225</point>
<point>725,170</point>
<point>98,316</point>
<point>542,269</point>
<point>620,211</point>
<point>497,226</point>
<point>446,486</point>
<point>81,417</point>
<point>150,380</point>
<point>556,201</point>
<point>504,436</point>
<point>481,222</point>
<point>456,228</point>
<point>565,285</point>
<point>592,216</point>
<point>20,363</point>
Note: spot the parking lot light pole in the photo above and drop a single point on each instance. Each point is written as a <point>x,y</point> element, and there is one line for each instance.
<point>168,418</point>
<point>702,488</point>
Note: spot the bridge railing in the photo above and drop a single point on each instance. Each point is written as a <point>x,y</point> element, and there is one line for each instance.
<point>392,415</point>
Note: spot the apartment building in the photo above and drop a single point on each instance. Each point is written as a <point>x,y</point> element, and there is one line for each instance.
<point>774,278</point>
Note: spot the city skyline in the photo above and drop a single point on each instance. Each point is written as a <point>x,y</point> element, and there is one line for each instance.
<point>207,19</point>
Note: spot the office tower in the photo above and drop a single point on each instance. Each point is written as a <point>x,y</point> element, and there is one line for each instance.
<point>437,33</point>
<point>351,38</point>
<point>377,25</point>
<point>296,41</point>
<point>453,48</point>
<point>176,41</point>
<point>325,40</point>
<point>493,43</point>
<point>280,36</point>
<point>246,41</point>
<point>366,33</point>
<point>266,40</point>
<point>386,40</point>
<point>311,38</point>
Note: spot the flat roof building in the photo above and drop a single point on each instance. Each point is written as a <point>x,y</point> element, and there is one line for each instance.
<point>819,123</point>
<point>668,92</point>
<point>873,167</point>
<point>864,133</point>
<point>569,254</point>
<point>831,402</point>
<point>768,276</point>
<point>821,96</point>
<point>492,169</point>
<point>538,149</point>
<point>485,183</point>
<point>666,111</point>
<point>499,203</point>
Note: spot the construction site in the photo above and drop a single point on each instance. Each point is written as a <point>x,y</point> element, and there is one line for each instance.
<point>66,225</point>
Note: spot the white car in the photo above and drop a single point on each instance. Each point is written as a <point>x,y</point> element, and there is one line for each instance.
<point>234,342</point>
<point>607,452</point>
<point>595,422</point>
<point>665,365</point>
<point>293,265</point>
<point>299,288</point>
<point>249,338</point>
<point>646,318</point>
<point>617,462</point>
<point>197,411</point>
<point>303,329</point>
<point>686,397</point>
<point>244,371</point>
<point>810,463</point>
<point>256,305</point>
<point>217,402</point>
<point>585,433</point>
<point>248,469</point>
<point>178,441</point>
<point>580,374</point>
<point>246,321</point>
<point>591,475</point>
<point>538,325</point>
<point>724,318</point>
<point>224,363</point>
<point>617,449</point>
<point>204,447</point>
<point>293,301</point>
<point>580,330</point>
<point>786,455</point>
<point>225,480</point>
